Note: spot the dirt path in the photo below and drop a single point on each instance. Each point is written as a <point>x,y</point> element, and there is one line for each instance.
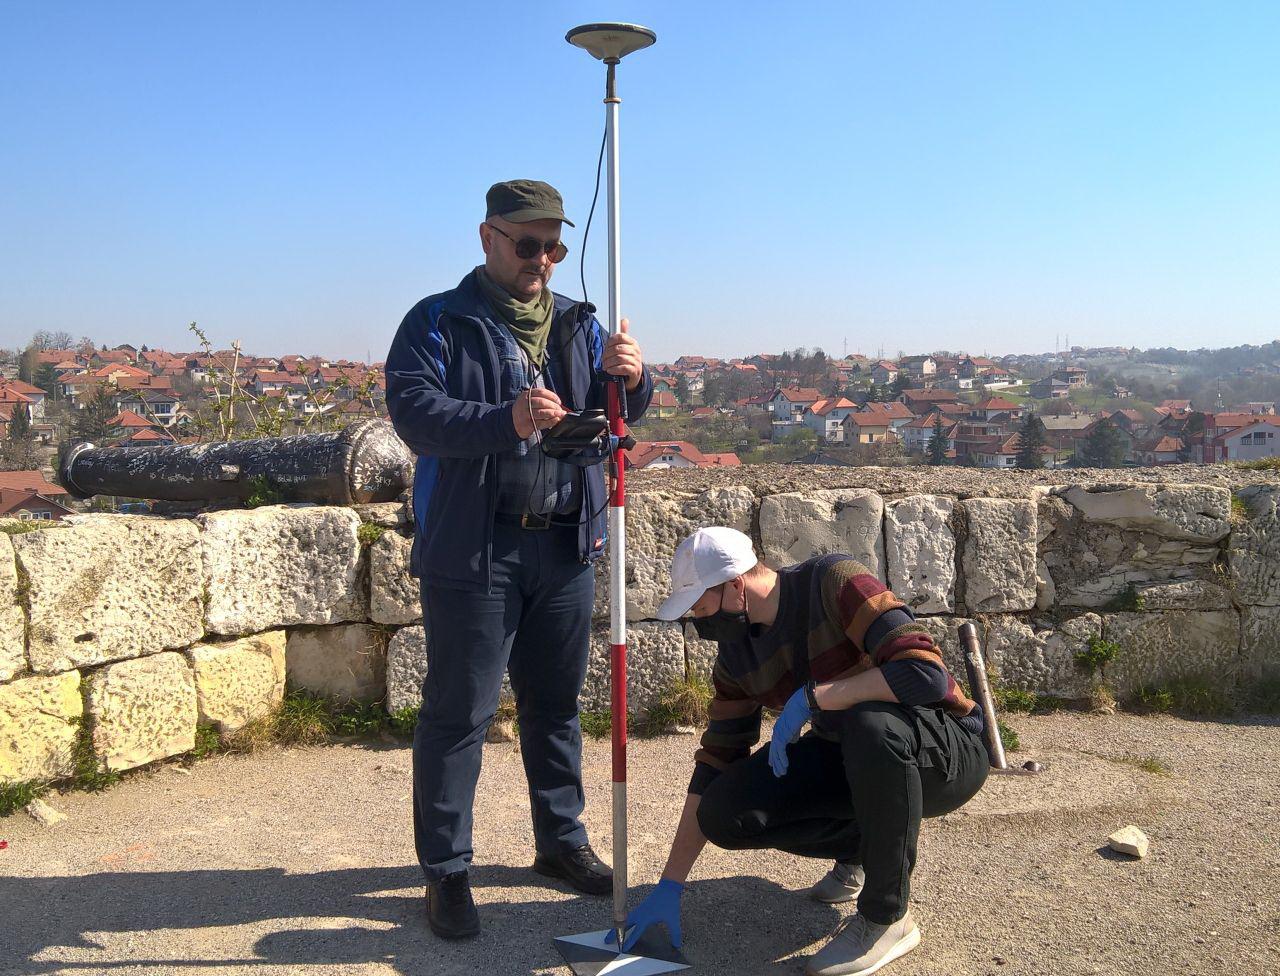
<point>301,861</point>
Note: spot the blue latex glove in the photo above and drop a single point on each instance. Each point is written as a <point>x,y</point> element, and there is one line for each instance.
<point>662,906</point>
<point>786,730</point>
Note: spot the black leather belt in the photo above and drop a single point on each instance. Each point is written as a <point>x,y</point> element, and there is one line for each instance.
<point>535,522</point>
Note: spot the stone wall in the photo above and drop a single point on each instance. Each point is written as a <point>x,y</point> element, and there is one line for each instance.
<point>127,632</point>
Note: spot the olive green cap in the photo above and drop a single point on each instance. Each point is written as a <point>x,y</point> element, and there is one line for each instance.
<point>520,201</point>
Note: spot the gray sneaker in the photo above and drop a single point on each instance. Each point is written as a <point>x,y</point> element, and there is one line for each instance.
<point>862,946</point>
<point>842,883</point>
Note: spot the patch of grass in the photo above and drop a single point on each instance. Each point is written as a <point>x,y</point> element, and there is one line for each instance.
<point>19,526</point>
<point>1014,699</point>
<point>1196,697</point>
<point>357,718</point>
<point>1150,764</point>
<point>1239,510</point>
<point>262,492</point>
<point>1261,464</point>
<point>208,742</point>
<point>15,796</point>
<point>1097,655</point>
<point>403,721</point>
<point>1127,600</point>
<point>1008,737</point>
<point>88,772</point>
<point>368,533</point>
<point>683,702</point>
<point>596,724</point>
<point>303,719</point>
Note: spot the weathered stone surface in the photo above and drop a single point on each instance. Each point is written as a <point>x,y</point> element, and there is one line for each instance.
<point>945,631</point>
<point>656,523</point>
<point>142,710</point>
<point>1187,594</point>
<point>1097,564</point>
<point>1253,553</point>
<point>389,515</point>
<point>13,625</point>
<point>393,593</point>
<point>37,734</point>
<point>278,566</point>
<point>109,587</point>
<point>795,526</point>
<point>655,660</point>
<point>406,668</point>
<point>347,661</point>
<point>43,814</point>
<point>1046,591</point>
<point>1259,645</point>
<point>1041,659</point>
<point>920,552</point>
<point>999,556</point>
<point>1129,840</point>
<point>238,681</point>
<point>1189,513</point>
<point>1163,645</point>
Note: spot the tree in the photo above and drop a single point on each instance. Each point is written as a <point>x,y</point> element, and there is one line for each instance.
<point>17,451</point>
<point>27,364</point>
<point>1104,447</point>
<point>682,390</point>
<point>900,382</point>
<point>47,379</point>
<point>1031,438</point>
<point>91,421</point>
<point>44,339</point>
<point>936,453</point>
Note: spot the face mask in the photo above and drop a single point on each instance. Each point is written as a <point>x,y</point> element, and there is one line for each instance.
<point>724,626</point>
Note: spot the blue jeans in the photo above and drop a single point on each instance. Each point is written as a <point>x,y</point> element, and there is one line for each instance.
<point>535,624</point>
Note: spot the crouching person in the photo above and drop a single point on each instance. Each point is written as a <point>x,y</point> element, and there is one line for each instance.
<point>891,738</point>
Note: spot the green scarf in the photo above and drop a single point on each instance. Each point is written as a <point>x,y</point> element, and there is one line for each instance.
<point>528,322</point>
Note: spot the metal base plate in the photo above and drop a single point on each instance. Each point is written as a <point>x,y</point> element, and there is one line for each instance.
<point>589,954</point>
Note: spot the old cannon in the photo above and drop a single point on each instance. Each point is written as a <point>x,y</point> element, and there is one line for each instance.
<point>365,462</point>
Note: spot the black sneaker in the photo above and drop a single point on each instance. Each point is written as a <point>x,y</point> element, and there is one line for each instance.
<point>451,912</point>
<point>580,867</point>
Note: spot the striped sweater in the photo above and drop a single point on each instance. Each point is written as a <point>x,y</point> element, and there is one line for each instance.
<point>835,619</point>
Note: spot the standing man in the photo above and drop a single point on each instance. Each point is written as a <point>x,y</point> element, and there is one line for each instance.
<point>504,536</point>
<point>892,737</point>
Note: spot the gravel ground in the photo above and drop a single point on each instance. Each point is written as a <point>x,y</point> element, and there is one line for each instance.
<point>768,479</point>
<point>301,861</point>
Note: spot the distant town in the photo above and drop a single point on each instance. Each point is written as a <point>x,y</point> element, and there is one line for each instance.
<point>1088,407</point>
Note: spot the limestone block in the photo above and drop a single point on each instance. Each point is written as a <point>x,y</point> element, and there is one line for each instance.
<point>1129,840</point>
<point>1186,594</point>
<point>1091,564</point>
<point>999,556</point>
<point>699,654</point>
<point>1259,645</point>
<point>142,710</point>
<point>238,681</point>
<point>920,552</point>
<point>796,526</point>
<point>279,565</point>
<point>110,587</point>
<point>389,515</point>
<point>37,734</point>
<point>1167,644</point>
<point>347,661</point>
<point>1046,590</point>
<point>656,523</point>
<point>13,624</point>
<point>1253,552</point>
<point>945,631</point>
<point>1188,513</point>
<point>1024,655</point>
<point>393,593</point>
<point>406,668</point>
<point>655,660</point>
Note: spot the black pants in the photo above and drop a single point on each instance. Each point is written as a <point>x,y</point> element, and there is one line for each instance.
<point>859,799</point>
<point>534,625</point>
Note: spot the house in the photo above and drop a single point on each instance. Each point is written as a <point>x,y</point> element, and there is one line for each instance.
<point>12,400</point>
<point>1050,388</point>
<point>1159,450</point>
<point>1127,438</point>
<point>884,373</point>
<point>970,367</point>
<point>675,454</point>
<point>1073,376</point>
<point>918,366</point>
<point>1248,442</point>
<point>826,417</point>
<point>35,396</point>
<point>30,505</point>
<point>1130,420</point>
<point>1002,452</point>
<point>662,406</point>
<point>788,403</point>
<point>919,401</point>
<point>918,432</point>
<point>865,427</point>
<point>1062,431</point>
<point>161,406</point>
<point>898,414</point>
<point>996,410</point>
<point>997,378</point>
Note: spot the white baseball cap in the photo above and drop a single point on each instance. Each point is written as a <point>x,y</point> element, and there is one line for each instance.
<point>707,558</point>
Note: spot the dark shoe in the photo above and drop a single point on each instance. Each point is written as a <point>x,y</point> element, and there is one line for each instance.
<point>451,913</point>
<point>580,867</point>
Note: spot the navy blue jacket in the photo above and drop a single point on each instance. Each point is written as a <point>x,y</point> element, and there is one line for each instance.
<point>445,397</point>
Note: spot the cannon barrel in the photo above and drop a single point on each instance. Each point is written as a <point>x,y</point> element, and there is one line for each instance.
<point>365,462</point>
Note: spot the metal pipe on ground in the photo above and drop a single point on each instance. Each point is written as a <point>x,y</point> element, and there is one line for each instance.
<point>365,462</point>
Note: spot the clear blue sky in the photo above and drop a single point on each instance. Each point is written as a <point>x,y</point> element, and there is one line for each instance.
<point>976,176</point>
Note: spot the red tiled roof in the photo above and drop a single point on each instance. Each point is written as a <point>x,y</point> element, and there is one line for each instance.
<point>892,410</point>
<point>797,394</point>
<point>18,386</point>
<point>664,399</point>
<point>996,403</point>
<point>11,499</point>
<point>127,418</point>
<point>823,407</point>
<point>29,481</point>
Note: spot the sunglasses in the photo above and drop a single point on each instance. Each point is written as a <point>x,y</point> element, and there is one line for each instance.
<point>531,247</point>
